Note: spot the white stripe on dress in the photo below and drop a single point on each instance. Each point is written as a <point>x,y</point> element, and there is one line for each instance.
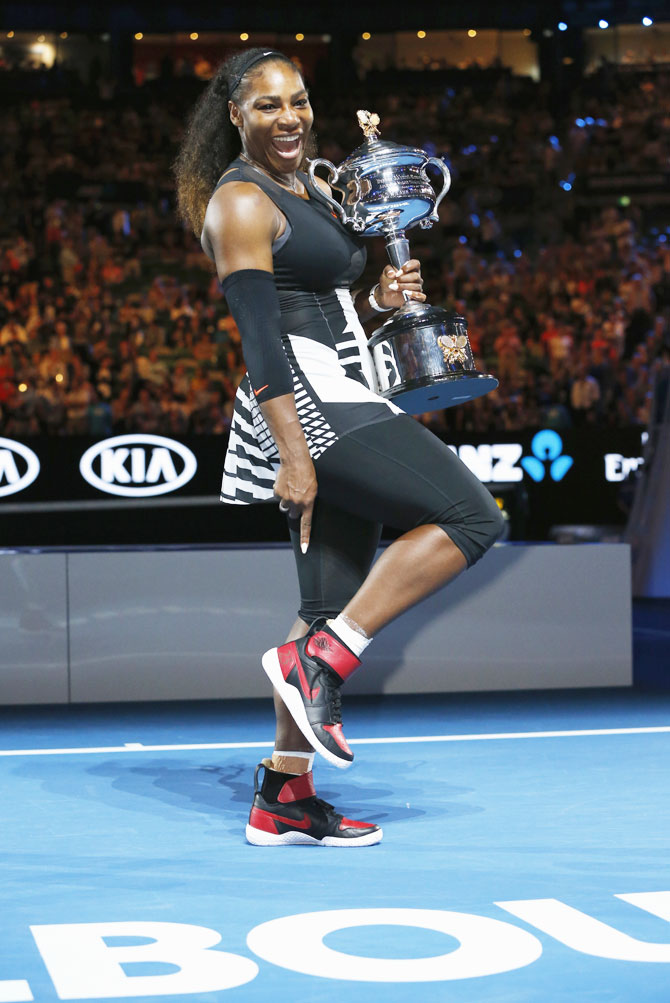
<point>354,327</point>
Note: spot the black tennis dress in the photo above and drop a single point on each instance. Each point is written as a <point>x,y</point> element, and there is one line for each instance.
<point>316,261</point>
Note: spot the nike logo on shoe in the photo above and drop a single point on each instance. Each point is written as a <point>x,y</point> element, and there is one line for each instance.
<point>294,823</point>
<point>288,660</point>
<point>304,685</point>
<point>333,652</point>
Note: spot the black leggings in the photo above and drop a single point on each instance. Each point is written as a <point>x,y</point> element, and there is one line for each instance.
<point>396,473</point>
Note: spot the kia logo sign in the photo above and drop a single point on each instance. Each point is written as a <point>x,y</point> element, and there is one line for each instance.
<point>138,466</point>
<point>19,467</point>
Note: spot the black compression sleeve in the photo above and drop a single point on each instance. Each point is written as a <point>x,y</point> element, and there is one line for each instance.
<point>252,297</point>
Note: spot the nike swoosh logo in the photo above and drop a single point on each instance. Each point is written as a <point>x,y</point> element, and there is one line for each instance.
<point>310,694</point>
<point>257,392</point>
<point>296,823</point>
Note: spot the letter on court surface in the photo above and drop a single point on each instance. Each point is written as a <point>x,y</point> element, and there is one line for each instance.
<point>583,933</point>
<point>15,991</point>
<point>487,946</point>
<point>83,966</point>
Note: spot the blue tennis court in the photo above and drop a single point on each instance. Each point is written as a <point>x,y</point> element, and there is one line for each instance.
<point>526,854</point>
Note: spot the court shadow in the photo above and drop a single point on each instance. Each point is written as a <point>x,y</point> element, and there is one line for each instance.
<point>225,791</point>
<point>199,788</point>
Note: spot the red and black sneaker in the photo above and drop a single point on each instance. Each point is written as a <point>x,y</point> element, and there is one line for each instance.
<point>286,810</point>
<point>307,674</point>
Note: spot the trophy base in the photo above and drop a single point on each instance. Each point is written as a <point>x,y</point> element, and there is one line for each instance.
<point>423,360</point>
<point>435,393</point>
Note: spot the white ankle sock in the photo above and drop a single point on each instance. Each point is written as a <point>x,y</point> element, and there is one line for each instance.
<point>309,756</point>
<point>357,640</point>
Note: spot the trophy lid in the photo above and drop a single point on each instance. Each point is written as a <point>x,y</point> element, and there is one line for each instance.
<point>375,152</point>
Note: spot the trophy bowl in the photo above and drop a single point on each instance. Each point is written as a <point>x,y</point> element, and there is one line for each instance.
<point>422,355</point>
<point>385,188</point>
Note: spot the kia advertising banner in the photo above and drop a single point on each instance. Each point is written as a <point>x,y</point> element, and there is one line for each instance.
<point>129,466</point>
<point>545,477</point>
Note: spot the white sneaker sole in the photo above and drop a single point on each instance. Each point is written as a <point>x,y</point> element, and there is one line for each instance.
<point>257,837</point>
<point>296,709</point>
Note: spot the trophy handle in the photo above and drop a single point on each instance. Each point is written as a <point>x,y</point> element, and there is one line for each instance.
<point>446,174</point>
<point>333,175</point>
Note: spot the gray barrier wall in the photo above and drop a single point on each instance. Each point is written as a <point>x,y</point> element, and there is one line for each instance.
<point>189,624</point>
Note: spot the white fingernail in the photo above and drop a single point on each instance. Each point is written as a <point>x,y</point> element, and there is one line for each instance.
<point>393,285</point>
<point>303,547</point>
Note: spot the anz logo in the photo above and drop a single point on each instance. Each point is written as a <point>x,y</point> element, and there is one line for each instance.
<point>547,447</point>
<point>138,466</point>
<point>19,467</point>
<point>498,462</point>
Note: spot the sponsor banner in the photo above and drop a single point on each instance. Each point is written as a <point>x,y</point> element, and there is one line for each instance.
<point>572,476</point>
<point>138,466</point>
<point>71,468</point>
<point>19,467</point>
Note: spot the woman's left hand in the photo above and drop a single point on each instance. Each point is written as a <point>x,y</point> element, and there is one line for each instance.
<point>393,283</point>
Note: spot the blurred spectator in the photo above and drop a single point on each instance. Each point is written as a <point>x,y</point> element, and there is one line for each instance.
<point>98,417</point>
<point>77,400</point>
<point>151,369</point>
<point>145,414</point>
<point>13,333</point>
<point>509,349</point>
<point>584,395</point>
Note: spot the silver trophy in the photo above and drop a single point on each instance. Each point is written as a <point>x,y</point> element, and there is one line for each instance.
<point>422,354</point>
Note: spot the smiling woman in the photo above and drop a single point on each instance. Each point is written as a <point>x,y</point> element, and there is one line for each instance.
<point>310,429</point>
<point>274,128</point>
<point>211,140</point>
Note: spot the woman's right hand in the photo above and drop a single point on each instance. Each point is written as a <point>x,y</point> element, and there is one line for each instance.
<point>296,487</point>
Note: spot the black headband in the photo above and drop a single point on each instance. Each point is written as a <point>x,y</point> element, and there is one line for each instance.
<point>249,62</point>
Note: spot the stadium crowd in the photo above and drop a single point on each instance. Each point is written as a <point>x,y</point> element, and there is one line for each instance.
<point>112,320</point>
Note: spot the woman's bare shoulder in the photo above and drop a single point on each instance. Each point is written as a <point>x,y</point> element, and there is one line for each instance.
<point>323,185</point>
<point>234,208</point>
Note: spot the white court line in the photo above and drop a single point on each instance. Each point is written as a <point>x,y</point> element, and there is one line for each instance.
<point>409,739</point>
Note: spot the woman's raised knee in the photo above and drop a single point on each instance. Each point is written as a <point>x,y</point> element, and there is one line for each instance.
<point>477,533</point>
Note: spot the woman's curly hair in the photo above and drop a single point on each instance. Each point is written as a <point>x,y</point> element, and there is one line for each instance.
<point>211,141</point>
